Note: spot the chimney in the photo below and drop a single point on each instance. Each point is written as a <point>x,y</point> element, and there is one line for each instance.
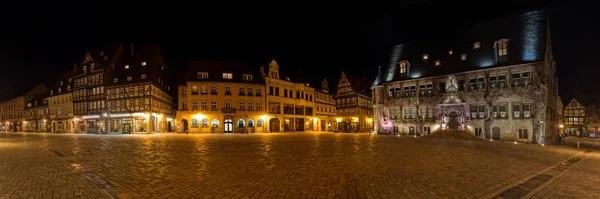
<point>132,49</point>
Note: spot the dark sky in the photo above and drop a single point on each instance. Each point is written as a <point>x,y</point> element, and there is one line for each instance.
<point>38,43</point>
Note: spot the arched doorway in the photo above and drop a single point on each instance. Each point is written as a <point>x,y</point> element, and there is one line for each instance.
<point>183,128</point>
<point>241,126</point>
<point>215,125</point>
<point>274,125</point>
<point>496,133</point>
<point>453,120</point>
<point>260,126</point>
<point>228,125</point>
<point>251,125</point>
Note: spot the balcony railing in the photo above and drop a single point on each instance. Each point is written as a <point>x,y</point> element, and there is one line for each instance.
<point>228,110</point>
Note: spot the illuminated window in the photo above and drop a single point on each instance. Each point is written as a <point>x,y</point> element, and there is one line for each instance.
<point>115,80</point>
<point>144,63</point>
<point>247,77</point>
<point>438,62</point>
<point>476,45</point>
<point>502,47</point>
<point>450,52</point>
<point>129,78</point>
<point>463,57</point>
<point>227,76</point>
<point>126,66</point>
<point>143,76</point>
<point>425,56</point>
<point>202,75</point>
<point>402,67</point>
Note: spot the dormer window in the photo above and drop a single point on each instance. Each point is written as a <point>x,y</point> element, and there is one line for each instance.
<point>227,75</point>
<point>126,66</point>
<point>438,63</point>
<point>92,66</point>
<point>502,47</point>
<point>202,75</point>
<point>61,83</point>
<point>143,76</point>
<point>84,69</point>
<point>476,45</point>
<point>28,104</point>
<point>51,92</point>
<point>450,52</point>
<point>144,63</point>
<point>59,90</point>
<point>425,56</point>
<point>129,78</point>
<point>402,67</point>
<point>287,79</point>
<point>115,80</point>
<point>463,57</point>
<point>247,77</point>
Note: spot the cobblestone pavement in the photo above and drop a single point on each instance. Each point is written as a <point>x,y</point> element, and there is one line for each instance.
<point>283,165</point>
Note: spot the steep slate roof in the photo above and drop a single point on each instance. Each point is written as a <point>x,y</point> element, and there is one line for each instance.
<point>40,101</point>
<point>215,70</point>
<point>359,85</point>
<point>97,56</point>
<point>526,33</point>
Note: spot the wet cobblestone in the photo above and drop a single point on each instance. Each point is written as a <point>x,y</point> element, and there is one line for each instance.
<point>285,165</point>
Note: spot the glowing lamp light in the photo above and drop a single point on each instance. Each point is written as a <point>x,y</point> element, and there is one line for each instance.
<point>264,117</point>
<point>147,115</point>
<point>369,120</point>
<point>561,126</point>
<point>355,119</point>
<point>169,119</point>
<point>338,119</point>
<point>515,142</point>
<point>199,117</point>
<point>44,120</point>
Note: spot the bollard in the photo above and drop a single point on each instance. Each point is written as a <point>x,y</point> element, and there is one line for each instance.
<point>577,144</point>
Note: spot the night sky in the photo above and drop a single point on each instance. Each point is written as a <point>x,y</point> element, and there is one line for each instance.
<point>40,43</point>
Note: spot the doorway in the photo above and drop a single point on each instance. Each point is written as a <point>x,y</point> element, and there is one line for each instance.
<point>453,121</point>
<point>228,126</point>
<point>274,125</point>
<point>496,133</point>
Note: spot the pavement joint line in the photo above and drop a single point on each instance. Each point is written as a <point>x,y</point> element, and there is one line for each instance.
<point>567,172</point>
<point>496,192</point>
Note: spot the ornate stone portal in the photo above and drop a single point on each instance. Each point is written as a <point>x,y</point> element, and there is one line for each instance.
<point>452,116</point>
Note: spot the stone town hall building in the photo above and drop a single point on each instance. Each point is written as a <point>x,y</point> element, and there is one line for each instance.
<point>496,80</point>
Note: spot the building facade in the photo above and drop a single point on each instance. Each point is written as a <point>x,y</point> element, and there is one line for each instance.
<point>119,90</point>
<point>12,112</point>
<point>574,118</point>
<point>37,114</point>
<point>290,101</point>
<point>221,97</point>
<point>137,93</point>
<point>60,104</point>
<point>325,108</point>
<point>354,105</point>
<point>496,83</point>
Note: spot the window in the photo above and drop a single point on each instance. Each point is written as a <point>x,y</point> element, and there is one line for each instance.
<point>195,105</point>
<point>521,78</point>
<point>204,89</point>
<point>463,57</point>
<point>259,123</point>
<point>250,106</point>
<point>194,90</point>
<point>247,77</point>
<point>480,83</point>
<point>241,91</point>
<point>227,104</point>
<point>481,111</point>
<point>425,56</point>
<point>502,46</point>
<point>285,92</point>
<point>516,110</point>
<point>478,132</point>
<point>215,123</point>
<point>258,107</point>
<point>204,123</point>
<point>204,105</point>
<point>184,92</point>
<point>476,45</point>
<point>92,67</point>
<point>213,89</point>
<point>144,63</point>
<point>59,90</point>
<point>450,52</point>
<point>402,67</point>
<point>213,105</point>
<point>129,78</point>
<point>126,66</point>
<point>258,92</point>
<point>276,91</point>
<point>523,134</point>
<point>242,105</point>
<point>527,110</point>
<point>184,105</point>
<point>194,123</point>
<point>143,76</point>
<point>250,89</point>
<point>270,90</point>
<point>227,90</point>
<point>202,75</point>
<point>227,76</point>
<point>437,63</point>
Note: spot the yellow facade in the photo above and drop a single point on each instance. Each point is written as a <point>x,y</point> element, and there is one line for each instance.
<point>61,113</point>
<point>221,107</point>
<point>291,105</point>
<point>325,109</point>
<point>13,114</point>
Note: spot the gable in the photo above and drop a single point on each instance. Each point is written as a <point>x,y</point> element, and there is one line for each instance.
<point>344,87</point>
<point>87,59</point>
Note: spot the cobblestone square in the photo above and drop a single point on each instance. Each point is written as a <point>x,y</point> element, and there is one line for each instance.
<point>282,165</point>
